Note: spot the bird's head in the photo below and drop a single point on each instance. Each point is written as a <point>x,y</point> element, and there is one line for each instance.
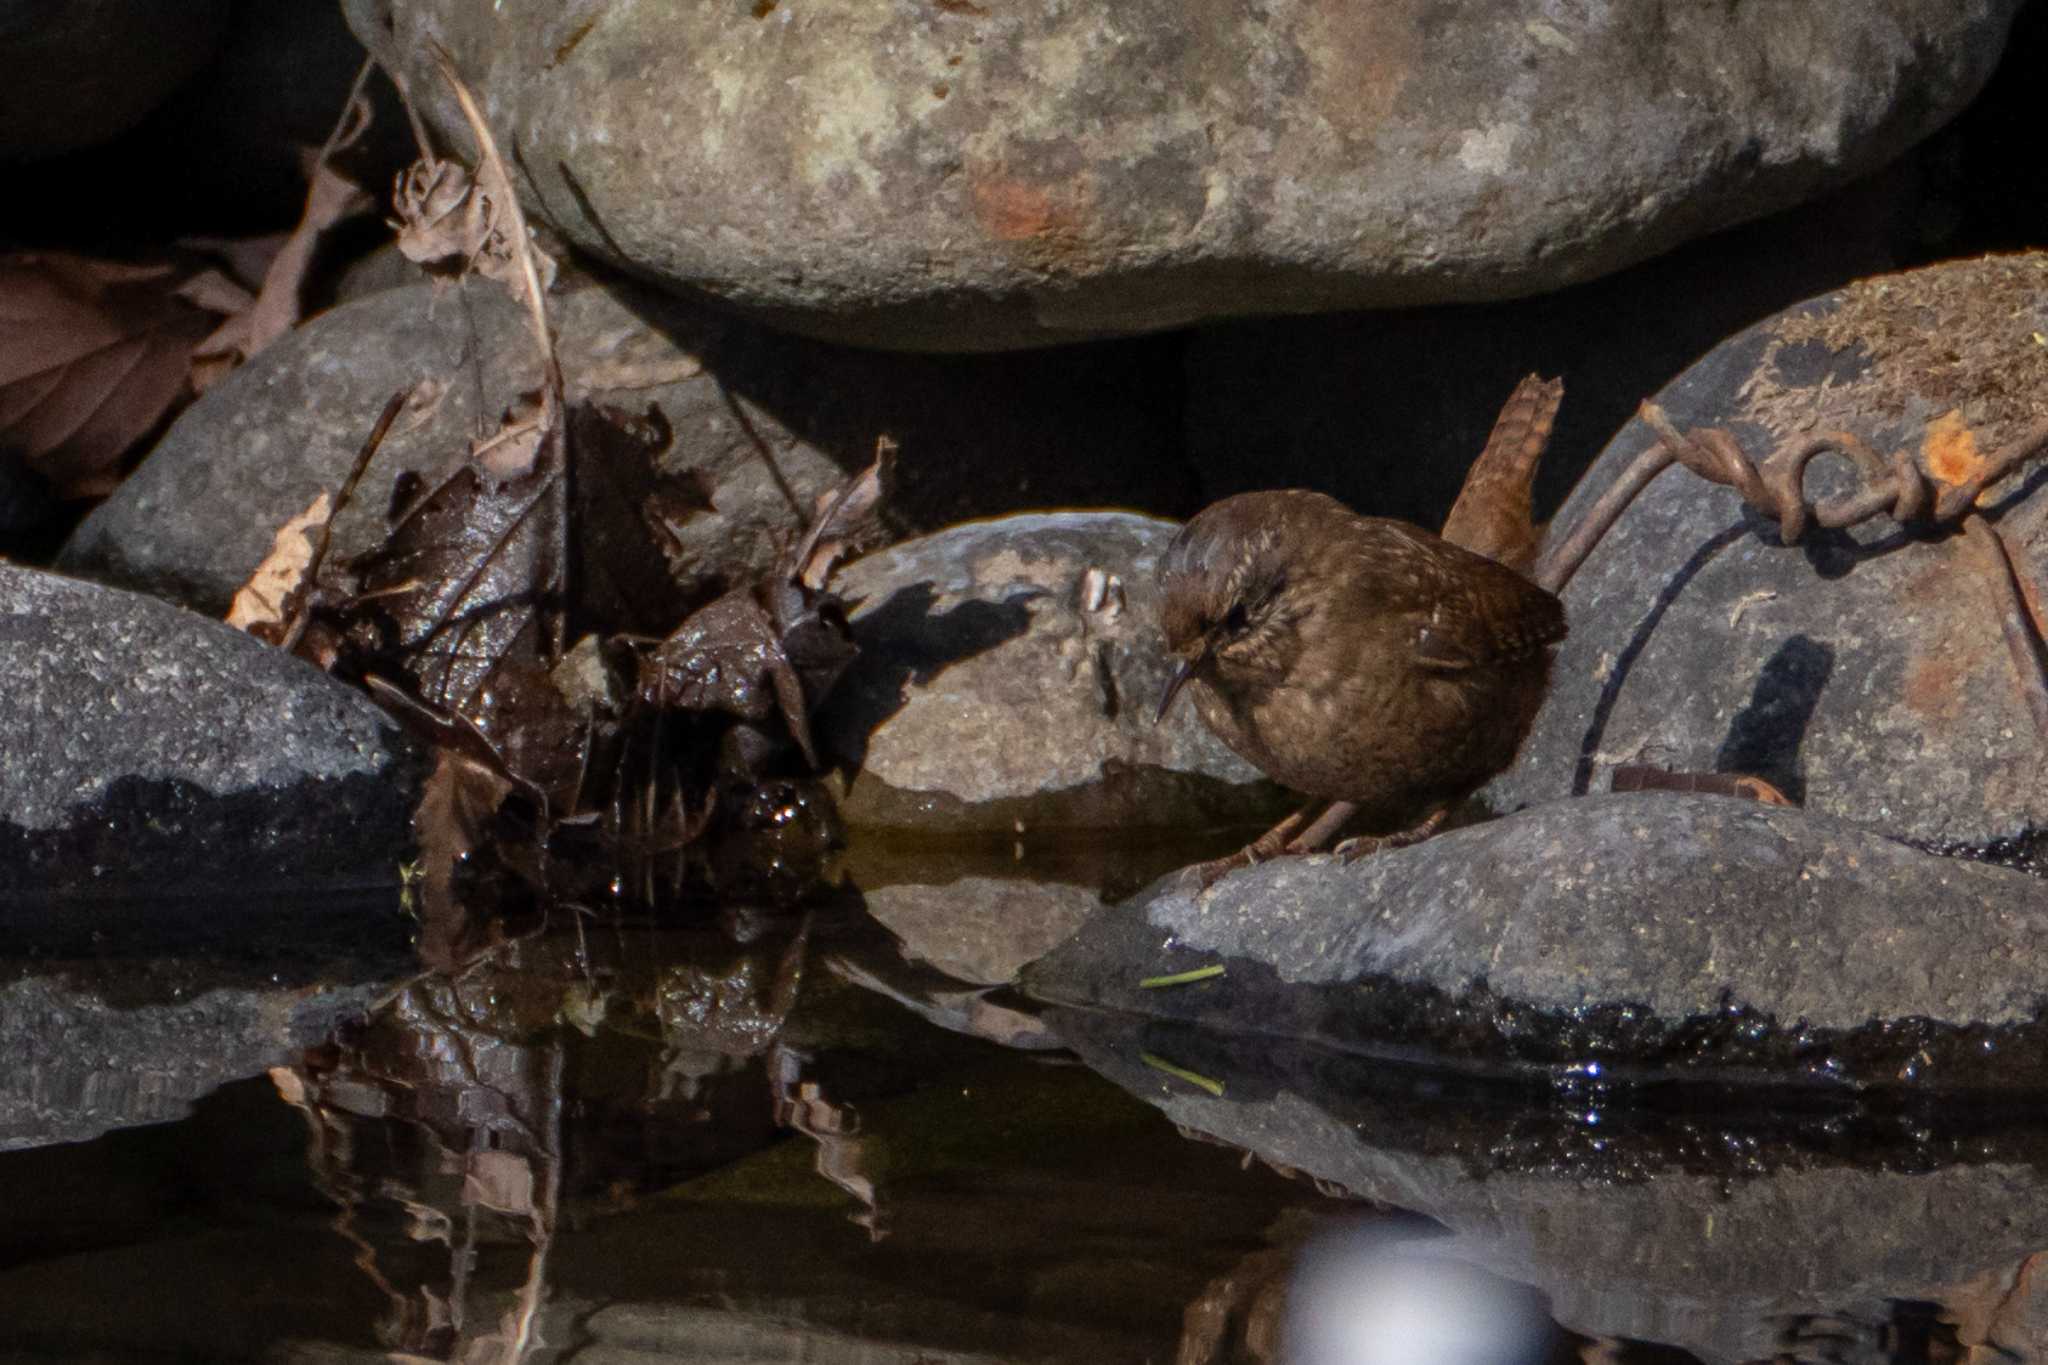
<point>1227,605</point>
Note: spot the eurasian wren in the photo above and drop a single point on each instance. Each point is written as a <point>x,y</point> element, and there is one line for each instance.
<point>1355,659</point>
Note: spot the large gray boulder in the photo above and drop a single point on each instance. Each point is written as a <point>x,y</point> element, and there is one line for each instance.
<point>1007,679</point>
<point>153,751</point>
<point>1864,672</point>
<point>975,176</point>
<point>1655,934</point>
<point>770,420</point>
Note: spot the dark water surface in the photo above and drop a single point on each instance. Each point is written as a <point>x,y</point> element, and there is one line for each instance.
<point>776,1137</point>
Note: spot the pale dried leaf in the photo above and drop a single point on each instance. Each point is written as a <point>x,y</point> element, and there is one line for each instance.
<point>331,197</point>
<point>631,357</point>
<point>216,291</point>
<point>264,604</point>
<point>844,517</point>
<point>452,223</point>
<point>511,451</point>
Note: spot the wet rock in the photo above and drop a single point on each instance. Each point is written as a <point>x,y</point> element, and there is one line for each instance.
<point>1236,161</point>
<point>1863,672</point>
<point>773,420</point>
<point>1728,1227</point>
<point>1656,934</point>
<point>152,750</point>
<point>1008,674</point>
<point>77,72</point>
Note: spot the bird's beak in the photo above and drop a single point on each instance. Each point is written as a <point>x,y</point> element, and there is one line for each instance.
<point>1181,673</point>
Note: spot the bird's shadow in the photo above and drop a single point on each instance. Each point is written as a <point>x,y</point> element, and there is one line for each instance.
<point>1765,737</point>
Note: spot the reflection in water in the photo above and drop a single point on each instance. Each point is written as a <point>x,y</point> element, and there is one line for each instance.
<point>640,1145</point>
<point>614,1149</point>
<point>1831,1231</point>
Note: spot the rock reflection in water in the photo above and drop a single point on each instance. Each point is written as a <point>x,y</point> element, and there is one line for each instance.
<point>1832,1234</point>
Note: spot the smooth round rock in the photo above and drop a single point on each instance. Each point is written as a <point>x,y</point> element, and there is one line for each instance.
<point>198,515</point>
<point>1011,175</point>
<point>772,420</point>
<point>1659,933</point>
<point>980,929</point>
<point>152,750</point>
<point>1863,672</point>
<point>1008,675</point>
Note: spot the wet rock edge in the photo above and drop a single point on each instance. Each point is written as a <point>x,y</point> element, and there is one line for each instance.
<point>168,837</point>
<point>1486,1036</point>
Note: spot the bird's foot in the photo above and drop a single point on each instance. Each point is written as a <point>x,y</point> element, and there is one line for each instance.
<point>1274,843</point>
<point>1365,845</point>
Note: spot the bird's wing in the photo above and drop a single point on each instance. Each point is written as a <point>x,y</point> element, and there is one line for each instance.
<point>1468,611</point>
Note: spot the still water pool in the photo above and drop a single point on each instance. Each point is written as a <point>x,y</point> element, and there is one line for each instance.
<point>778,1138</point>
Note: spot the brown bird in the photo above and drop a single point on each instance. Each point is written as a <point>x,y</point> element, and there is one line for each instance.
<point>1359,660</point>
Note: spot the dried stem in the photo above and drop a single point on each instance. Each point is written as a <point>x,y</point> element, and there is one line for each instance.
<point>2015,622</point>
<point>517,236</point>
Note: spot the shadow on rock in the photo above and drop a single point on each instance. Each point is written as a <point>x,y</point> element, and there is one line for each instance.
<point>1765,736</point>
<point>904,642</point>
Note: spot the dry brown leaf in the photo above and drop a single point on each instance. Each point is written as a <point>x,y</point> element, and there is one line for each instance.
<point>499,1180</point>
<point>276,309</point>
<point>93,356</point>
<point>331,197</point>
<point>457,805</point>
<point>628,358</point>
<point>264,606</point>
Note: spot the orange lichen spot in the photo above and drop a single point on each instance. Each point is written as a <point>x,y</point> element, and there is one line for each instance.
<point>1932,684</point>
<point>1016,211</point>
<point>1950,449</point>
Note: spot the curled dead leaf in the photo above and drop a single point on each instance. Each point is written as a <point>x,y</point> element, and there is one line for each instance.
<point>265,605</point>
<point>450,223</point>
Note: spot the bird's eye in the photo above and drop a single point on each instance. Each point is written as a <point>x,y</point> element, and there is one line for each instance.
<point>1236,620</point>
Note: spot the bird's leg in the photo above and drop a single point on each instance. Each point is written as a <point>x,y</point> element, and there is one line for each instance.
<point>1324,829</point>
<point>1366,845</point>
<point>1271,844</point>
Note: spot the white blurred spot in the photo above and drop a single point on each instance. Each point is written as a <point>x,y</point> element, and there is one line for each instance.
<point>1378,1296</point>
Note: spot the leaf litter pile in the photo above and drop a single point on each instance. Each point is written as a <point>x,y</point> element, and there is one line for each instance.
<point>520,616</point>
